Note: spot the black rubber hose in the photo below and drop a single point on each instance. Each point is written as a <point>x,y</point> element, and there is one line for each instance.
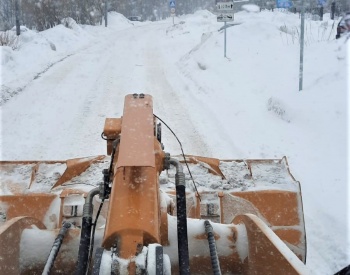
<point>344,271</point>
<point>212,248</point>
<point>85,236</point>
<point>97,261</point>
<point>56,247</point>
<point>84,246</point>
<point>182,240</point>
<point>93,232</point>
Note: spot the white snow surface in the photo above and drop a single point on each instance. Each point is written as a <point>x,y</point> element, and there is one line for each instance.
<point>59,85</point>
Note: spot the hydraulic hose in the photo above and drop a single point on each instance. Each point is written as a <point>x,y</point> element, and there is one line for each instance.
<point>212,248</point>
<point>55,248</point>
<point>85,237</point>
<point>182,239</point>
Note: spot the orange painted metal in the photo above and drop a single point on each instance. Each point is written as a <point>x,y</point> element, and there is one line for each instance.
<point>280,210</point>
<point>138,215</point>
<point>10,238</point>
<point>135,218</point>
<point>76,167</point>
<point>65,194</point>
<point>137,135</point>
<point>18,185</point>
<point>31,205</point>
<point>111,131</point>
<point>266,253</point>
<point>37,241</point>
<point>213,163</point>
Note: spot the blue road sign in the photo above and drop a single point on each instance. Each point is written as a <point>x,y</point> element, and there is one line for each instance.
<point>284,4</point>
<point>172,4</point>
<point>322,2</point>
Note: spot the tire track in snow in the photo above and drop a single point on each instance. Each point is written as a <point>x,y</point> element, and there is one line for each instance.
<point>168,105</point>
<point>67,105</point>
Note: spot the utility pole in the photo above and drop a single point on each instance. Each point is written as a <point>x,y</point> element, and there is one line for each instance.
<point>301,46</point>
<point>18,29</point>
<point>332,9</point>
<point>106,11</point>
<point>225,39</point>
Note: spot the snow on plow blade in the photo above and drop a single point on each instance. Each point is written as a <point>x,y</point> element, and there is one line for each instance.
<point>136,211</point>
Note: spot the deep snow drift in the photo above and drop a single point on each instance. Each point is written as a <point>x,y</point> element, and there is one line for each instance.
<point>59,85</point>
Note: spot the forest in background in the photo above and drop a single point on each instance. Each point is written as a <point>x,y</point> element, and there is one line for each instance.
<point>44,14</point>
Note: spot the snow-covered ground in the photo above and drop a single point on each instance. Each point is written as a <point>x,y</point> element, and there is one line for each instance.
<point>58,86</point>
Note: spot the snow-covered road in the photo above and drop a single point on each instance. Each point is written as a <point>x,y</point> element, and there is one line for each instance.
<point>244,106</point>
<point>74,96</point>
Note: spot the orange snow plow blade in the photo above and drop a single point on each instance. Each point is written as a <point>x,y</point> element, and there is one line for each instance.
<point>135,210</point>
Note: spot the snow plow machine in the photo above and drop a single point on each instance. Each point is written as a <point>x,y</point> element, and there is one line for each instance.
<point>136,210</point>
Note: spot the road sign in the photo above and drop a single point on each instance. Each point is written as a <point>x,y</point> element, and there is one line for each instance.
<point>172,10</point>
<point>224,6</point>
<point>172,4</point>
<point>284,4</point>
<point>226,17</point>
